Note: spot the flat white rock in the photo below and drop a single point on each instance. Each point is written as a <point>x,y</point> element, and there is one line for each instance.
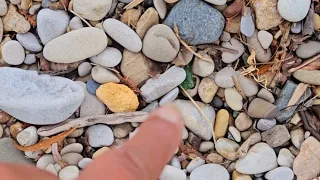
<point>69,48</point>
<point>280,173</point>
<point>233,99</point>
<point>13,53</point>
<point>84,162</point>
<point>44,161</point>
<point>293,10</point>
<point>265,38</point>
<point>28,136</point>
<point>196,162</point>
<point>29,41</point>
<point>170,173</point>
<point>110,57</point>
<point>72,148</point>
<point>210,172</point>
<point>235,45</point>
<point>3,7</point>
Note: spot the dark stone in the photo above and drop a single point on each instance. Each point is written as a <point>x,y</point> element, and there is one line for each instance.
<point>217,102</point>
<point>92,86</point>
<point>148,3</point>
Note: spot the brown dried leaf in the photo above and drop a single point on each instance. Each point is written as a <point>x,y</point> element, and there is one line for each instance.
<point>298,92</point>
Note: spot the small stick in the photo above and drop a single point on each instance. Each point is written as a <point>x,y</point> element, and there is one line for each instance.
<point>201,112</point>
<point>224,49</point>
<point>304,63</point>
<point>80,18</point>
<point>237,85</point>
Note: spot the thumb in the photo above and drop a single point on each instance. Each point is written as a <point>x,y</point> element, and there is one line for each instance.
<point>144,156</point>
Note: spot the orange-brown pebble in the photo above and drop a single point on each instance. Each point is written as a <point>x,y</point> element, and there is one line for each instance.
<point>118,97</point>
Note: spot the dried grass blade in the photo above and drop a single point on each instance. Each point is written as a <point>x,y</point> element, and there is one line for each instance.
<point>298,92</point>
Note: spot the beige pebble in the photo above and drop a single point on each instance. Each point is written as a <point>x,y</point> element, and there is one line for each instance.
<point>131,16</point>
<point>72,158</point>
<point>214,158</point>
<point>161,7</point>
<point>207,89</point>
<point>149,18</point>
<point>84,69</point>
<point>201,67</point>
<point>102,75</point>
<point>99,152</point>
<point>13,21</point>
<point>72,148</point>
<point>227,148</point>
<point>235,133</point>
<point>233,99</point>
<point>221,124</point>
<point>243,122</point>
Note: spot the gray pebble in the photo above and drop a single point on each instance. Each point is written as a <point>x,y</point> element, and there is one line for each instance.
<point>175,162</point>
<point>196,162</point>
<point>30,59</point>
<point>34,8</point>
<point>84,162</point>
<point>29,41</point>
<point>46,3</point>
<point>296,27</point>
<point>75,23</point>
<point>110,57</point>
<point>3,7</point>
<point>10,154</point>
<point>169,97</point>
<point>13,53</point>
<point>28,136</point>
<point>206,146</point>
<point>72,158</point>
<point>100,135</point>
<point>309,49</point>
<point>266,124</point>
<point>247,26</point>
<point>84,69</point>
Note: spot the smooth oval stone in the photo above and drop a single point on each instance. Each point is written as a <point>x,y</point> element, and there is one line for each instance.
<point>29,41</point>
<point>44,161</point>
<point>155,88</point>
<point>235,133</point>
<point>147,20</point>
<point>297,137</point>
<point>175,162</point>
<point>110,57</point>
<point>262,55</point>
<point>221,123</point>
<point>161,7</point>
<point>227,148</point>
<point>13,53</point>
<point>217,102</point>
<point>247,25</point>
<point>34,8</point>
<point>160,43</point>
<point>194,163</point>
<point>76,133</point>
<point>95,133</point>
<point>265,39</point>
<point>38,99</point>
<point>260,158</point>
<point>84,162</point>
<point>93,10</point>
<point>194,120</point>
<point>30,59</point>
<point>69,48</point>
<point>84,69</point>
<point>170,172</point>
<point>285,158</point>
<point>280,173</point>
<point>296,27</point>
<point>206,146</point>
<point>50,168</point>
<point>247,85</point>
<point>309,49</point>
<point>169,97</point>
<point>28,136</point>
<point>103,75</point>
<point>235,45</point>
<point>233,99</point>
<point>308,76</point>
<point>266,124</point>
<point>224,77</point>
<point>72,158</point>
<point>92,86</point>
<point>293,10</point>
<point>266,95</point>
<point>51,24</point>
<point>243,122</point>
<point>202,68</point>
<point>75,23</point>
<point>259,108</point>
<point>122,130</point>
<point>276,136</point>
<point>72,148</point>
<point>210,172</point>
<point>3,7</point>
<point>123,34</point>
<point>207,89</point>
<point>69,173</point>
<point>198,22</point>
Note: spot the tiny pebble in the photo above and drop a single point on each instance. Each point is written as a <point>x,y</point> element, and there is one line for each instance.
<point>84,69</point>
<point>84,162</point>
<point>69,173</point>
<point>30,59</point>
<point>92,86</point>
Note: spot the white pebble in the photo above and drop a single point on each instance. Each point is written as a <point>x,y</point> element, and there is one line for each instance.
<point>102,75</point>
<point>28,136</point>
<point>44,161</point>
<point>13,53</point>
<point>69,173</point>
<point>84,69</point>
<point>72,148</point>
<point>84,162</point>
<point>110,57</point>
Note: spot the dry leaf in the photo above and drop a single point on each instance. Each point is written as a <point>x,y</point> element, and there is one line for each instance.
<point>298,92</point>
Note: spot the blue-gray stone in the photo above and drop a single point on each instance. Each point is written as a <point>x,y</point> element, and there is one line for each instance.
<point>217,102</point>
<point>10,154</point>
<point>197,21</point>
<point>284,98</point>
<point>92,86</point>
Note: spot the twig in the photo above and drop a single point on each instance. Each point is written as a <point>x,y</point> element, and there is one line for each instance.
<point>56,155</point>
<point>116,118</point>
<point>80,18</point>
<point>304,63</point>
<point>236,65</point>
<point>224,49</point>
<point>201,112</point>
<point>237,85</point>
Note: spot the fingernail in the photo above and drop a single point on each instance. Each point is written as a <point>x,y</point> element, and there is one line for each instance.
<point>170,113</point>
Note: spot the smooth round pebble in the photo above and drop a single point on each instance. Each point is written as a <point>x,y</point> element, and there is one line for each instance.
<point>266,95</point>
<point>84,162</point>
<point>206,146</point>
<point>202,68</point>
<point>93,10</point>
<point>30,59</point>
<point>75,23</point>
<point>110,57</point>
<point>280,173</point>
<point>99,152</point>
<point>72,148</point>
<point>3,7</point>
<point>44,161</point>
<point>235,133</point>
<point>100,135</point>
<point>233,99</point>
<point>243,122</point>
<point>285,158</point>
<point>160,43</point>
<point>175,162</point>
<point>34,8</point>
<point>122,34</point>
<point>217,102</point>
<point>247,85</point>
<point>194,163</point>
<point>297,137</point>
<point>69,173</point>
<point>265,38</point>
<point>227,148</point>
<point>103,75</point>
<point>221,123</point>
<point>235,45</point>
<point>50,168</point>
<point>76,133</point>
<point>92,86</point>
<point>84,69</point>
<point>207,89</point>
<point>170,173</point>
<point>72,158</point>
<point>161,7</point>
<point>122,130</point>
<point>13,53</point>
<point>28,136</point>
<point>296,27</point>
<point>149,18</point>
<point>309,49</point>
<point>210,172</point>
<point>29,41</point>
<point>293,10</point>
<point>224,77</point>
<point>266,124</point>
<point>169,97</point>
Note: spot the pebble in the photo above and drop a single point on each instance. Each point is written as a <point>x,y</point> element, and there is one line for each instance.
<point>233,26</point>
<point>99,135</point>
<point>29,41</point>
<point>276,136</point>
<point>151,107</point>
<point>183,58</point>
<point>217,2</point>
<point>210,172</point>
<point>76,133</point>
<point>155,88</point>
<point>14,21</point>
<point>34,8</point>
<point>259,108</point>
<point>44,161</point>
<point>13,53</point>
<point>185,133</point>
<point>72,158</point>
<point>266,95</point>
<point>285,158</point>
<point>136,66</point>
<point>28,136</point>
<point>110,57</point>
<point>84,162</point>
<point>293,10</point>
<point>169,97</point>
<point>131,16</point>
<point>122,34</point>
<point>84,69</point>
<point>308,50</point>
<point>260,158</point>
<point>235,45</point>
<point>235,133</point>
<point>75,23</point>
<point>296,27</point>
<point>206,146</point>
<point>3,8</point>
<point>266,124</point>
<point>233,99</point>
<point>316,21</point>
<point>69,173</point>
<point>170,172</point>
<point>92,86</point>
<point>99,152</point>
<point>175,162</point>
<point>214,158</point>
<point>239,176</point>
<point>224,77</point>
<point>72,148</point>
<point>202,68</point>
<point>198,22</point>
<point>247,85</point>
<point>262,55</point>
<point>50,168</point>
<point>266,14</point>
<point>194,163</point>
<point>33,154</point>
<point>148,19</point>
<point>161,7</point>
<point>122,130</point>
<point>227,148</point>
<point>103,75</point>
<point>306,166</point>
<point>297,137</point>
<point>37,93</point>
<point>207,89</point>
<point>247,26</point>
<point>51,24</point>
<point>10,154</point>
<point>93,10</point>
<point>221,123</point>
<point>217,102</point>
<point>280,173</point>
<point>118,97</point>
<point>265,38</point>
<point>308,76</point>
<point>69,48</point>
<point>160,43</point>
<point>30,59</point>
<point>193,119</point>
<point>243,122</point>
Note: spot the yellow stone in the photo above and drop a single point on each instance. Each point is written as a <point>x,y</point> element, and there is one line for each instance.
<point>239,176</point>
<point>99,152</point>
<point>316,21</point>
<point>118,97</point>
<point>221,124</point>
